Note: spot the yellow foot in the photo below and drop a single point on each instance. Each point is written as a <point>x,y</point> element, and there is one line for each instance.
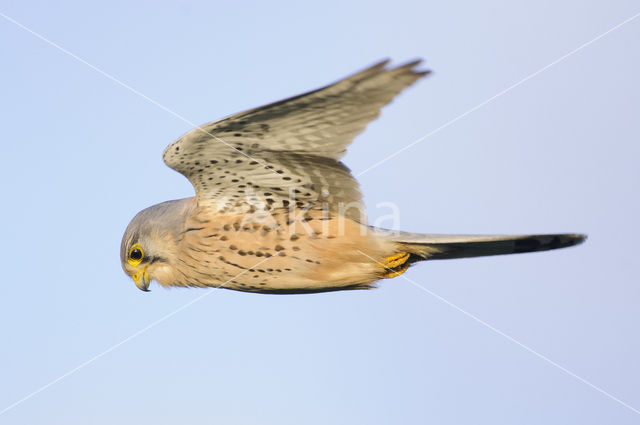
<point>395,265</point>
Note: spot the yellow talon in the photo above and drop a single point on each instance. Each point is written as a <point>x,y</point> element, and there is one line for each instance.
<point>397,272</point>
<point>396,260</point>
<point>395,265</point>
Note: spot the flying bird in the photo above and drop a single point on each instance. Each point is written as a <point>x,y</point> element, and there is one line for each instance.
<point>276,211</point>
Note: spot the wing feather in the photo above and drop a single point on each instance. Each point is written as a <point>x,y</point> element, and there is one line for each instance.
<point>290,146</point>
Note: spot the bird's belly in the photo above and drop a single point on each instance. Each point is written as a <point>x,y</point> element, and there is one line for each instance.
<point>285,257</point>
<point>293,280</point>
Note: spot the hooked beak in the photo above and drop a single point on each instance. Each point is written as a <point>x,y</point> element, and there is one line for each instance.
<point>141,280</point>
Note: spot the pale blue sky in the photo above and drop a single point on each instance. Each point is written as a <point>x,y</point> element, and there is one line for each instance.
<point>82,154</point>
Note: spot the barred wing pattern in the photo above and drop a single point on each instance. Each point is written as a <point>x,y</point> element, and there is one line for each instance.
<point>288,151</point>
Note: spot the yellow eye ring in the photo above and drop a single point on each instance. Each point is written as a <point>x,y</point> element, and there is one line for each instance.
<point>136,254</point>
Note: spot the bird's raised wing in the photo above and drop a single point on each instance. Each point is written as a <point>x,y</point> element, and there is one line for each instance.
<point>288,151</point>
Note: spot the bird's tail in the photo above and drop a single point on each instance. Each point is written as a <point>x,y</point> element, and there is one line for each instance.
<point>438,247</point>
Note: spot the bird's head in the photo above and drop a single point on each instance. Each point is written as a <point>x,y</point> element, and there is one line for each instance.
<point>141,253</point>
<point>148,244</point>
<point>136,263</point>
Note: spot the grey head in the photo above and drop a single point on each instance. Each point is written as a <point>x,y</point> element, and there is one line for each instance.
<point>149,242</point>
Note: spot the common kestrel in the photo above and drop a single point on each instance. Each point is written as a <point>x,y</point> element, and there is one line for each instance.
<point>276,211</point>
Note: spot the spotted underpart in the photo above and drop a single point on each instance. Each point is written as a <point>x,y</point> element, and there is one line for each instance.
<point>293,251</point>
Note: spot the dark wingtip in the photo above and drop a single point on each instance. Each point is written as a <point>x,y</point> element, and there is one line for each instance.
<point>412,65</point>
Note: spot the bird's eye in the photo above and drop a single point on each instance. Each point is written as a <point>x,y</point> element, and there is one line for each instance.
<point>135,255</point>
